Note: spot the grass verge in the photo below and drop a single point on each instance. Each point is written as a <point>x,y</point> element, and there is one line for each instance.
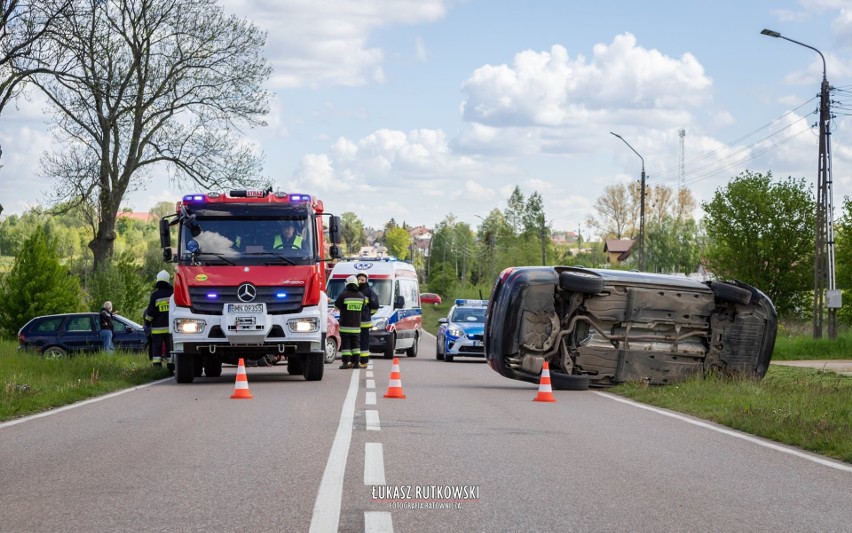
<point>30,384</point>
<point>807,408</point>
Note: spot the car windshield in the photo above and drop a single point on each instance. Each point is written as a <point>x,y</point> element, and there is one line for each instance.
<point>468,314</point>
<point>128,321</point>
<point>382,288</point>
<point>235,235</point>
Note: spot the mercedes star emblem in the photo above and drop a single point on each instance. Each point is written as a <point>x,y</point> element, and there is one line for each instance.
<point>246,292</point>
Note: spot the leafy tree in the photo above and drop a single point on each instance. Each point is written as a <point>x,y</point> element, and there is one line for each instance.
<point>36,285</point>
<point>137,84</point>
<point>672,246</point>
<point>398,242</point>
<point>516,206</point>
<point>121,283</point>
<point>352,232</point>
<point>843,258</point>
<point>761,232</point>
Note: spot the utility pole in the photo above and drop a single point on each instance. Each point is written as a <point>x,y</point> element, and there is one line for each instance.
<point>826,295</point>
<point>641,207</point>
<point>543,246</point>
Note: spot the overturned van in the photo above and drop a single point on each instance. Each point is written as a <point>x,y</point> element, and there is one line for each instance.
<point>604,327</point>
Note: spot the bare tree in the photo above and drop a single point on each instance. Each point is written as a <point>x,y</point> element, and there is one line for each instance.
<point>23,25</point>
<point>137,83</point>
<point>615,212</point>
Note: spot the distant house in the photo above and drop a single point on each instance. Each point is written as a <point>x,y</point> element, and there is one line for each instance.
<point>421,236</point>
<point>142,216</point>
<point>617,250</point>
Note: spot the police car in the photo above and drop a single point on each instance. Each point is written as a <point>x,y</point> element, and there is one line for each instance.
<point>460,333</point>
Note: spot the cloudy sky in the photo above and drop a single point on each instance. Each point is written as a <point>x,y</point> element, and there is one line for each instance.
<point>418,109</point>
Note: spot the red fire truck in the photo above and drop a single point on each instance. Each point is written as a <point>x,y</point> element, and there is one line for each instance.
<point>242,290</point>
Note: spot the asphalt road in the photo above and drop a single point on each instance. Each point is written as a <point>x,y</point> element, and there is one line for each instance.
<point>466,450</point>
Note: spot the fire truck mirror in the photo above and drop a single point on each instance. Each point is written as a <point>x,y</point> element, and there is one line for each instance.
<point>165,235</point>
<point>334,250</point>
<point>334,229</point>
<point>167,254</point>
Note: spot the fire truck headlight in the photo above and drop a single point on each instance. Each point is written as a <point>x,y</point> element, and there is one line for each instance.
<point>303,325</point>
<point>380,324</point>
<point>189,325</point>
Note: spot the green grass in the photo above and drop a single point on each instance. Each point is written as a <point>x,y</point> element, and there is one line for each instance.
<point>30,384</point>
<point>803,407</point>
<point>795,341</point>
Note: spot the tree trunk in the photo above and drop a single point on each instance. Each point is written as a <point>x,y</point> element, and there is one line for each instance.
<point>102,245</point>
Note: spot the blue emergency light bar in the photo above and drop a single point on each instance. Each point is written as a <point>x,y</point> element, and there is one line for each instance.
<point>202,198</point>
<point>471,303</point>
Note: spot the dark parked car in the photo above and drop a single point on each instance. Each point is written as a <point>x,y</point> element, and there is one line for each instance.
<point>603,327</point>
<point>61,335</point>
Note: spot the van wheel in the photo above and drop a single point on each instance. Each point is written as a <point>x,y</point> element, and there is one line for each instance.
<point>412,352</point>
<point>391,346</point>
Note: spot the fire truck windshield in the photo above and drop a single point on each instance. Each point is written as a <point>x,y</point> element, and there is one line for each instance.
<point>247,241</point>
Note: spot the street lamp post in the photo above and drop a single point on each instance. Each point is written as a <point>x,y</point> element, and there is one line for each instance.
<point>825,289</point>
<point>641,208</point>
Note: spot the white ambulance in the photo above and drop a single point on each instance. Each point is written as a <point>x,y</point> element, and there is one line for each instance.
<point>398,324</point>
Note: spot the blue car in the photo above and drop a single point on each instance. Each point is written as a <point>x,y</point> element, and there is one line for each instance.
<point>62,335</point>
<point>460,334</point>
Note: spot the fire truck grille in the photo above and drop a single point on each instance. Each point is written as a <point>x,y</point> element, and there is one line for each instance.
<point>278,300</point>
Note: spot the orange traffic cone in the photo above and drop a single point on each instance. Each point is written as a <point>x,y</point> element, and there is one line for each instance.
<point>545,393</point>
<point>395,384</point>
<point>241,389</point>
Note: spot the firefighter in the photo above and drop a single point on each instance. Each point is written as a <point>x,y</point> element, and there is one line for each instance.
<point>350,303</point>
<point>367,313</point>
<point>157,319</point>
<point>288,239</point>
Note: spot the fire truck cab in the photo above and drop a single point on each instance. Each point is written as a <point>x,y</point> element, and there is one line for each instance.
<point>249,280</point>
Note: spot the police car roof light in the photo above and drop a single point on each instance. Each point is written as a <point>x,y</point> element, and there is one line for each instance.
<point>471,303</point>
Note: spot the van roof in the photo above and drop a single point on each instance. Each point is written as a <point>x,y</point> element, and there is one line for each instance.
<point>377,269</point>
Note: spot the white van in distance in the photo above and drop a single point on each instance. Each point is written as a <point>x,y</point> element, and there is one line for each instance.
<point>398,324</point>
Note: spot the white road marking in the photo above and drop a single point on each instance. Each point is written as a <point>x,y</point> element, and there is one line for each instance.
<point>371,383</point>
<point>373,420</point>
<point>369,373</point>
<point>326,516</point>
<point>370,398</point>
<point>378,522</point>
<point>374,464</point>
<point>79,404</point>
<point>733,433</point>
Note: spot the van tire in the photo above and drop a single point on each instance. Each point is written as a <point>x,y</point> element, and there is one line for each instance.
<point>412,352</point>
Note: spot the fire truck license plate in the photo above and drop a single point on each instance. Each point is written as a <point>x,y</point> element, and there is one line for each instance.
<point>245,308</point>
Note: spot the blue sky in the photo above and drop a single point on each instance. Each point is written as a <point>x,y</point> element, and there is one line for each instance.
<point>417,109</point>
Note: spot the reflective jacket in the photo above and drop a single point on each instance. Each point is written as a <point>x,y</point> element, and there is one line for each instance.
<point>157,313</point>
<point>350,303</point>
<point>279,243</point>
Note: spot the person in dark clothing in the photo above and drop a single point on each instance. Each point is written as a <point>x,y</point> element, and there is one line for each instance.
<point>350,303</point>
<point>157,319</point>
<point>105,321</point>
<point>366,315</point>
